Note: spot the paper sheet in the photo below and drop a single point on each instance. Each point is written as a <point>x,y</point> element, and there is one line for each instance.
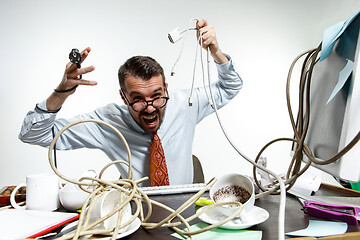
<point>308,182</point>
<point>320,229</point>
<point>20,224</point>
<point>330,34</point>
<point>333,33</point>
<point>223,234</point>
<point>343,77</point>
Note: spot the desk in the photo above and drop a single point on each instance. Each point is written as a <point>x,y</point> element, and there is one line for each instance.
<point>294,217</point>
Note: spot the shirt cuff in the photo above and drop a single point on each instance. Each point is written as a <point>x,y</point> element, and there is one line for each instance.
<point>226,67</point>
<point>41,107</point>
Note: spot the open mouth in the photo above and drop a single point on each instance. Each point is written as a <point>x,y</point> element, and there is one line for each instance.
<point>150,119</point>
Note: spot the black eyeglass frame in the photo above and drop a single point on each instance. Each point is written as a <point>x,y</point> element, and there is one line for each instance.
<point>147,102</point>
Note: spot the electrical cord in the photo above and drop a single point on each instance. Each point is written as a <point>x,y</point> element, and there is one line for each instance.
<point>182,45</point>
<point>193,76</point>
<point>296,174</point>
<point>129,191</point>
<point>53,135</point>
<point>76,58</point>
<point>281,219</point>
<point>199,42</point>
<point>211,101</point>
<point>300,129</point>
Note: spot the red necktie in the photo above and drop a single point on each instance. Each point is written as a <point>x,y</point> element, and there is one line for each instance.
<point>158,170</point>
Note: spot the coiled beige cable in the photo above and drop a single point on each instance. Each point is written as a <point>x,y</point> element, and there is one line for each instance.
<point>129,191</point>
<point>300,129</point>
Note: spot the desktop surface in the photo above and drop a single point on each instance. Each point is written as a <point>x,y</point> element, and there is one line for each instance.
<point>295,218</point>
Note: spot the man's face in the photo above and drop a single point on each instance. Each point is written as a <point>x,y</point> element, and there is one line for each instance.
<point>136,89</point>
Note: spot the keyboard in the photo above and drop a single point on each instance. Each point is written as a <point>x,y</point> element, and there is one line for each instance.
<point>174,189</point>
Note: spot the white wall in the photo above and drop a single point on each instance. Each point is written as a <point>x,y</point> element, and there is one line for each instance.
<point>263,37</point>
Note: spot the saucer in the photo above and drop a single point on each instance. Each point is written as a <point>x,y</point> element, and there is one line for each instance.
<point>132,228</point>
<point>256,215</point>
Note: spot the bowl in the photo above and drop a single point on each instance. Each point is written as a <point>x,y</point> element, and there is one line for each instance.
<point>233,187</point>
<point>72,200</point>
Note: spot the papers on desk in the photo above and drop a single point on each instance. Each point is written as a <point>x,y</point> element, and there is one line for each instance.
<point>20,224</point>
<point>320,229</point>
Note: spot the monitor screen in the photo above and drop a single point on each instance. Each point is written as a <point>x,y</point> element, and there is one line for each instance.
<point>333,124</point>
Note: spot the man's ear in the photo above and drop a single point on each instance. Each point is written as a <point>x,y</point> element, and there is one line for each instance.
<point>166,89</point>
<point>122,96</point>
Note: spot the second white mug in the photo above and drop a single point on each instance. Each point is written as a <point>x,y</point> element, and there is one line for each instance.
<point>42,192</point>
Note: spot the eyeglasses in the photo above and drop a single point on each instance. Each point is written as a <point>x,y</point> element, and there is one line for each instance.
<point>140,105</point>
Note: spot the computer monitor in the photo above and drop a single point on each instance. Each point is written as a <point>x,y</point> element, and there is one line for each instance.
<point>334,124</point>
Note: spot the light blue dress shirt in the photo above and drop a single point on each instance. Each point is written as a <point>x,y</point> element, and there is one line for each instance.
<point>176,130</point>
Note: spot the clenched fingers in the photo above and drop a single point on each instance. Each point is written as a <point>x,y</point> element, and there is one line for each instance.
<point>79,71</point>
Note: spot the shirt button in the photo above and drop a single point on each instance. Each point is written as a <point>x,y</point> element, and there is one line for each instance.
<point>42,116</point>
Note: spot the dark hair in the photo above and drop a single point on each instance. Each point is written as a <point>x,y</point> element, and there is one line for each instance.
<point>143,67</point>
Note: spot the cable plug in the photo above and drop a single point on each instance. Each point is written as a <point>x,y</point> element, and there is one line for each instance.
<point>174,35</point>
<point>190,101</point>
<point>173,70</point>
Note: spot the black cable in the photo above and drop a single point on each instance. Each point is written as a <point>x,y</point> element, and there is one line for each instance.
<point>66,90</point>
<point>75,57</point>
<point>46,111</point>
<point>53,134</point>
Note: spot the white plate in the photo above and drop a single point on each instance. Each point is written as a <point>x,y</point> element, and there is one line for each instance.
<point>256,215</point>
<point>132,228</point>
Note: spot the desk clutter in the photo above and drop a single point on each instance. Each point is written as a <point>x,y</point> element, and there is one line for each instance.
<point>106,210</point>
<point>6,191</point>
<point>47,221</point>
<point>37,223</point>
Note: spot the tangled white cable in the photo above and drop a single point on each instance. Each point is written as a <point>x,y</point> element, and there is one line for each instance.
<point>211,100</point>
<point>129,191</point>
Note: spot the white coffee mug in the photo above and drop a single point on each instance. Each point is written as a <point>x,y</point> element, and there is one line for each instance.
<point>234,179</point>
<point>107,203</point>
<point>42,192</point>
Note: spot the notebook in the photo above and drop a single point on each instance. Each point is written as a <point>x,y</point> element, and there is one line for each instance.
<point>20,224</point>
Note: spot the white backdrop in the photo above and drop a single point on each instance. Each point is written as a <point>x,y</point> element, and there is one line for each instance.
<point>263,37</point>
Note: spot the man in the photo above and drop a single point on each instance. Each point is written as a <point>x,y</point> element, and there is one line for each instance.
<point>150,109</point>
